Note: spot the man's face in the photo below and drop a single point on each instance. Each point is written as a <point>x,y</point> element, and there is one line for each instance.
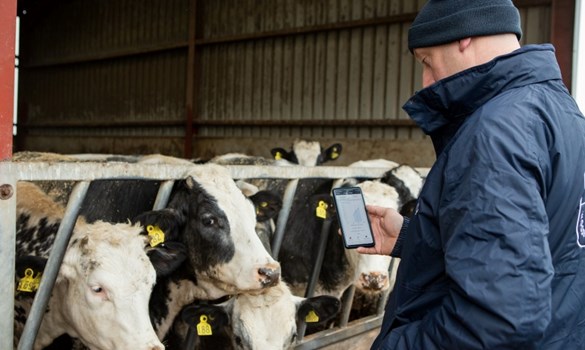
<point>440,62</point>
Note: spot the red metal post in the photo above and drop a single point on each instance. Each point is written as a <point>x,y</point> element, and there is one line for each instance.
<point>7,33</point>
<point>562,36</point>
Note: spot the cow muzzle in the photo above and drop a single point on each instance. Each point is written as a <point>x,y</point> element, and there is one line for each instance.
<point>373,281</point>
<point>269,275</point>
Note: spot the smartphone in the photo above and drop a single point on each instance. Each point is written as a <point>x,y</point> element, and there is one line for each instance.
<point>353,217</point>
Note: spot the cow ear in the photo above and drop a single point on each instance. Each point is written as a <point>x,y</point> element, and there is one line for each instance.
<point>214,315</point>
<point>167,257</point>
<point>279,153</point>
<point>247,188</point>
<point>29,270</point>
<point>332,152</point>
<point>317,310</point>
<point>267,205</point>
<point>190,181</point>
<point>169,221</point>
<point>322,206</point>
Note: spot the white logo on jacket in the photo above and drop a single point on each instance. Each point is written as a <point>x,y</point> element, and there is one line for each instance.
<point>580,227</point>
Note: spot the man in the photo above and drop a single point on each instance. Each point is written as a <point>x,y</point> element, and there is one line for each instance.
<point>494,256</point>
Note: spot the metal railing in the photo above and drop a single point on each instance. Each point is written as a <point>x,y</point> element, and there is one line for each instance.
<point>84,173</point>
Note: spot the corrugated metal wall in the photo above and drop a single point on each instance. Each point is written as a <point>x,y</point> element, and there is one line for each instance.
<point>121,76</point>
<point>351,75</point>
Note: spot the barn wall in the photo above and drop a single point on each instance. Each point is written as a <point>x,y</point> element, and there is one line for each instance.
<point>126,76</point>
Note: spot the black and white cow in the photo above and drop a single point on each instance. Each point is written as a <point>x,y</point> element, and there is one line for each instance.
<point>341,267</point>
<point>405,179</point>
<point>251,321</point>
<point>216,223</point>
<point>302,152</point>
<point>104,284</point>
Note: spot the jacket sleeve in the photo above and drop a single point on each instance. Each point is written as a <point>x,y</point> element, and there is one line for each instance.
<point>494,230</point>
<point>397,250</point>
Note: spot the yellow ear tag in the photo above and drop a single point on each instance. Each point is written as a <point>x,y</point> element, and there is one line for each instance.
<point>334,154</point>
<point>157,236</point>
<point>278,156</point>
<point>312,317</point>
<point>321,211</point>
<point>203,328</point>
<point>264,204</point>
<point>29,283</point>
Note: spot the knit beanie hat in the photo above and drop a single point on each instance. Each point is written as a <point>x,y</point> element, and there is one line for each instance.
<point>444,21</point>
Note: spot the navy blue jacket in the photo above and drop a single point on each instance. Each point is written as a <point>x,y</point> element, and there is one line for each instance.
<point>494,256</point>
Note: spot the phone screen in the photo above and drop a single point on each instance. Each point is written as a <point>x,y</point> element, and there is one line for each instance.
<point>353,218</point>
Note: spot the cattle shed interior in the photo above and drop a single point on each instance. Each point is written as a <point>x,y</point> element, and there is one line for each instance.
<point>199,78</point>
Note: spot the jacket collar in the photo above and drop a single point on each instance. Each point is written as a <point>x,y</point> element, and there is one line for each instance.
<point>452,99</point>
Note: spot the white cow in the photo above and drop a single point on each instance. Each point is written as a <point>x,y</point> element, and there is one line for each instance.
<point>104,284</point>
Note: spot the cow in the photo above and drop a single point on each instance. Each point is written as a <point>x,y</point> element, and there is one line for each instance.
<point>302,152</point>
<point>103,286</point>
<point>404,178</point>
<point>216,224</point>
<point>341,267</point>
<point>251,321</point>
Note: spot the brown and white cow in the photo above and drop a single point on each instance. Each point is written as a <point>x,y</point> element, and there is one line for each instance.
<point>104,284</point>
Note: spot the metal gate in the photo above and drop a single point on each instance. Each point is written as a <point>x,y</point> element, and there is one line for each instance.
<point>85,172</point>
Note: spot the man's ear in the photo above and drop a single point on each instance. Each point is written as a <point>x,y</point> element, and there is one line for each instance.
<point>464,44</point>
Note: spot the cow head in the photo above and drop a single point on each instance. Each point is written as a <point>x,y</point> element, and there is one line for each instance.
<point>259,321</point>
<point>218,229</point>
<point>307,153</point>
<point>102,290</point>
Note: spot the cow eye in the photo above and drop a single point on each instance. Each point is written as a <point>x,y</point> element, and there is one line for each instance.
<point>208,221</point>
<point>99,292</point>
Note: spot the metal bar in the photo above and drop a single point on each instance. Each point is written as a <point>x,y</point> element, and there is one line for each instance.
<point>197,121</point>
<point>336,335</point>
<point>287,200</point>
<point>348,295</point>
<point>7,256</point>
<point>7,45</point>
<point>31,328</point>
<point>164,192</point>
<point>315,271</point>
<point>87,171</point>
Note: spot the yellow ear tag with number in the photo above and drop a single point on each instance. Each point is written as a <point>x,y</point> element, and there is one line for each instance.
<point>312,317</point>
<point>334,153</point>
<point>157,236</point>
<point>203,328</point>
<point>278,156</point>
<point>29,283</point>
<point>321,211</point>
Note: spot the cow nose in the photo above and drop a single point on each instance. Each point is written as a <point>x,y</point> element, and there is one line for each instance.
<point>269,276</point>
<point>373,281</point>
